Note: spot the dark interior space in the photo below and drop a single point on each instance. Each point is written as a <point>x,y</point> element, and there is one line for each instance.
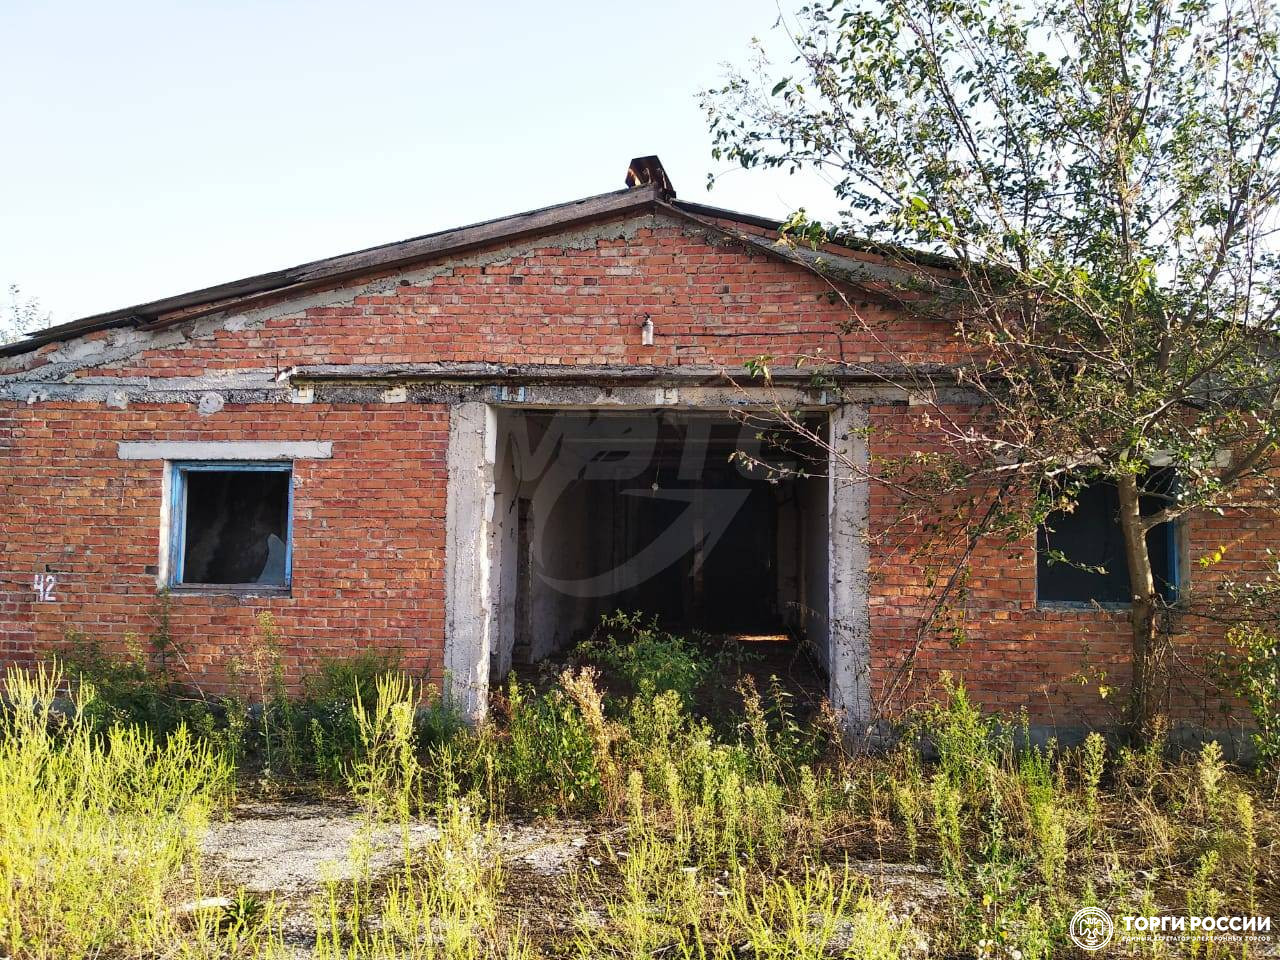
<point>663,513</point>
<point>236,526</point>
<point>723,580</point>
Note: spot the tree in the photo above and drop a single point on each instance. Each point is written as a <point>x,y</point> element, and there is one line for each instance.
<point>21,315</point>
<point>1101,178</point>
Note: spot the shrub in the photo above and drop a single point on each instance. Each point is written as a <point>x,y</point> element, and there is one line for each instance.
<point>908,789</point>
<point>544,755</point>
<point>779,742</point>
<point>646,658</point>
<point>969,745</point>
<point>447,909</point>
<point>387,773</point>
<point>135,689</point>
<point>314,734</point>
<point>820,913</point>
<point>1093,759</point>
<point>325,721</point>
<point>1251,672</point>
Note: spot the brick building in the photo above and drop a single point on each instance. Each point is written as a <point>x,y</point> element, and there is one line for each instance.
<point>465,446</point>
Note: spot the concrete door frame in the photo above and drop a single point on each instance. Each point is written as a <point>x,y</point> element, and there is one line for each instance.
<point>470,613</point>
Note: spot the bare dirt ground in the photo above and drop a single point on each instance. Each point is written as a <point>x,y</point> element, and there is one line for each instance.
<point>289,850</point>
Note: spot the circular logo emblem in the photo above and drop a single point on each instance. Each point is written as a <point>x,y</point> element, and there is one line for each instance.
<point>1091,928</point>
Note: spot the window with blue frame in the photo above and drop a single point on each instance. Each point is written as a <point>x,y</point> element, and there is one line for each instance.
<point>232,524</point>
<point>1080,553</point>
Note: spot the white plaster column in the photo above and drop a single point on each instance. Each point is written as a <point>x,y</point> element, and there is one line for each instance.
<point>849,608</point>
<point>469,508</point>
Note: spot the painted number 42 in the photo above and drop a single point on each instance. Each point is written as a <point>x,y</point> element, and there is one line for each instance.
<point>46,586</point>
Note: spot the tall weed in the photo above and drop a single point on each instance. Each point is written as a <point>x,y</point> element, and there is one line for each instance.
<point>96,827</point>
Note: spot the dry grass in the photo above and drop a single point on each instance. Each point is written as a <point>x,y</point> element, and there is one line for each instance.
<point>706,845</point>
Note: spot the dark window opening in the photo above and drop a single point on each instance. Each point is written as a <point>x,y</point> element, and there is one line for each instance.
<point>233,526</point>
<point>1080,554</point>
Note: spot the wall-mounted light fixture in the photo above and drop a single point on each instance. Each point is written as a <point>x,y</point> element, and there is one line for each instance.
<point>646,331</point>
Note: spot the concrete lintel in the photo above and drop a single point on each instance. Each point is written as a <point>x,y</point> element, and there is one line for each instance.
<point>598,397</point>
<point>709,374</point>
<point>225,450</point>
<point>530,385</point>
<point>588,396</point>
<point>236,386</point>
<point>550,396</point>
<point>468,543</point>
<point>849,608</point>
<point>121,397</point>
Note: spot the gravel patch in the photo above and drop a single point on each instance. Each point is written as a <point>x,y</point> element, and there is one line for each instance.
<point>913,887</point>
<point>291,847</point>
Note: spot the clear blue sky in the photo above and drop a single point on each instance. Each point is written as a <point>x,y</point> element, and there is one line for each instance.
<point>153,148</point>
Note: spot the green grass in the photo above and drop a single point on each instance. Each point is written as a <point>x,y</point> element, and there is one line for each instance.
<point>96,827</point>
<point>704,842</point>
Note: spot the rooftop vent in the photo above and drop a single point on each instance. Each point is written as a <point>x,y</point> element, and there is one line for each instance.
<point>648,171</point>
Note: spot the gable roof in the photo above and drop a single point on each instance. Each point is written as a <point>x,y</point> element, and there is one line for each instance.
<point>653,196</point>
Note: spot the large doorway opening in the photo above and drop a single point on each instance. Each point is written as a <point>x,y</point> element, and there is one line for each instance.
<point>713,522</point>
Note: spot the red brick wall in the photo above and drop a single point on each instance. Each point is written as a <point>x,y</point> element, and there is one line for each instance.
<point>369,524</point>
<point>711,302</point>
<point>368,546</point>
<point>1011,654</point>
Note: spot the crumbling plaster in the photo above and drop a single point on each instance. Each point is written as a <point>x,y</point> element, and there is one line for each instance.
<point>96,351</point>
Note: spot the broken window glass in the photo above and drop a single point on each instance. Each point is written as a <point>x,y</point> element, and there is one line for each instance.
<point>234,526</point>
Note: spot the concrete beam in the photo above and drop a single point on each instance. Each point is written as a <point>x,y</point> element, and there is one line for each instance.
<point>876,374</point>
<point>568,393</point>
<point>224,450</point>
<point>468,639</point>
<point>849,608</point>
<point>586,395</point>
